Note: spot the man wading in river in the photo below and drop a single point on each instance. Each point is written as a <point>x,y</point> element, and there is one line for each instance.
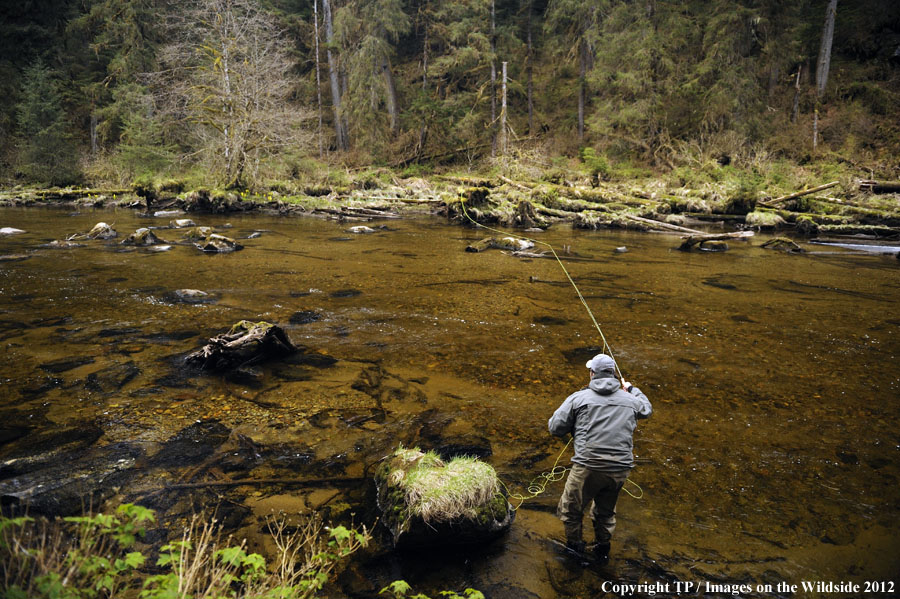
<point>601,418</point>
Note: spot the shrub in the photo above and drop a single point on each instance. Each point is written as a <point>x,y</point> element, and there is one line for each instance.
<point>91,557</point>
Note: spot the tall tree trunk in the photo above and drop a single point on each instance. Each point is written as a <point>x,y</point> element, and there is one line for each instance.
<point>824,63</point>
<point>423,131</point>
<point>493,80</point>
<point>503,138</point>
<point>529,68</point>
<point>582,85</point>
<point>392,105</point>
<point>318,75</point>
<point>340,130</point>
<point>94,146</point>
<point>795,109</point>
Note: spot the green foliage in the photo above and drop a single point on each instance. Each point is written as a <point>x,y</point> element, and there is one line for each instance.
<point>596,165</point>
<point>400,589</point>
<point>661,78</point>
<point>142,147</point>
<point>47,151</point>
<point>87,557</point>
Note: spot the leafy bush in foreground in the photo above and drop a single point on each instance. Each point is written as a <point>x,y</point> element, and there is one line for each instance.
<point>93,557</point>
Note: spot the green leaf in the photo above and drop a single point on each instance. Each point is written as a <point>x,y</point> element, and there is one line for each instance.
<point>232,556</point>
<point>340,534</point>
<point>255,562</point>
<point>399,588</point>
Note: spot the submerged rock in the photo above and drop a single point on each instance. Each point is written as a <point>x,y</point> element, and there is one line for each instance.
<point>181,223</point>
<point>191,444</point>
<point>70,483</point>
<point>14,257</point>
<point>43,448</point>
<point>142,236</point>
<point>215,243</point>
<point>62,244</point>
<point>244,344</point>
<point>713,246</point>
<point>65,364</point>
<point>425,501</point>
<point>10,231</point>
<point>361,229</point>
<point>190,296</point>
<point>111,378</point>
<point>304,317</point>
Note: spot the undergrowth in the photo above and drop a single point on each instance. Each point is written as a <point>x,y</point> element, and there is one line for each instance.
<point>98,557</point>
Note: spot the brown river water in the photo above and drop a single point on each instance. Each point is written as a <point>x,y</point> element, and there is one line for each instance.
<point>771,456</point>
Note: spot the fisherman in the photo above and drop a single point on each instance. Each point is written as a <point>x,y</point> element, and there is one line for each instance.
<point>601,418</point>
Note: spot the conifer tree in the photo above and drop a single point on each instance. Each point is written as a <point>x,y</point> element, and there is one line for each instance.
<point>366,30</point>
<point>47,151</point>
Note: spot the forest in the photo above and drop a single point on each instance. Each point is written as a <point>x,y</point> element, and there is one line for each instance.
<point>275,94</point>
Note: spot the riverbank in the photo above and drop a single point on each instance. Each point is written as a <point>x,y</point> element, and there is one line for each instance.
<point>849,207</point>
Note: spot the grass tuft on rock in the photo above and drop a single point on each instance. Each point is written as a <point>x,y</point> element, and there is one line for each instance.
<point>438,491</point>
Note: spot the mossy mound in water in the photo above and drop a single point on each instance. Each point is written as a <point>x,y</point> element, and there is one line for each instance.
<point>142,236</point>
<point>426,501</point>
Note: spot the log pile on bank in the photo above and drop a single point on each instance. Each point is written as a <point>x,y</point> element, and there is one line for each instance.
<point>869,208</point>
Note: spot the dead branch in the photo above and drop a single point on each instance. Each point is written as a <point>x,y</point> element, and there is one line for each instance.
<point>803,193</point>
<point>692,240</point>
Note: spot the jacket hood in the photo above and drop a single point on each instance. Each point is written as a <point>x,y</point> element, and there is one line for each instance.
<point>605,386</point>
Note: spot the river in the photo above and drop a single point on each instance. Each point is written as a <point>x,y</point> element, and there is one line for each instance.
<point>771,456</point>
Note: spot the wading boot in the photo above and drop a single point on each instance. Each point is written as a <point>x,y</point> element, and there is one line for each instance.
<point>576,547</point>
<point>601,553</point>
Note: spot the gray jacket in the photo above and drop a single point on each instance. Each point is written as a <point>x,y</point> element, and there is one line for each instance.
<point>602,419</point>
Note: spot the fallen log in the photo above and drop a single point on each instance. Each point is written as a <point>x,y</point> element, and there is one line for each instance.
<point>803,193</point>
<point>509,181</point>
<point>692,240</point>
<point>879,186</point>
<point>661,225</point>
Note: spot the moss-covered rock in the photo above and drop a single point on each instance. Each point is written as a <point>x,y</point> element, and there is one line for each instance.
<point>425,501</point>
<point>764,219</point>
<point>142,236</point>
<point>197,233</point>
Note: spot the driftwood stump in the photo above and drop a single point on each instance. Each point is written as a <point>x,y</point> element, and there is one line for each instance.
<point>244,344</point>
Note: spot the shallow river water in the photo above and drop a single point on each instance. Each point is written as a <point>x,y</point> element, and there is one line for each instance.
<point>771,456</point>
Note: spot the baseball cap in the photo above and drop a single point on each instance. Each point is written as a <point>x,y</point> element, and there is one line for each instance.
<point>601,362</point>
